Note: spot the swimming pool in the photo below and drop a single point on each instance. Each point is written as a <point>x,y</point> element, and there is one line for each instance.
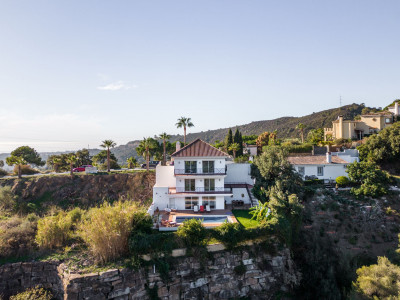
<point>205,219</point>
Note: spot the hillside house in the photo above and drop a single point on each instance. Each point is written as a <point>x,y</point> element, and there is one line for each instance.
<point>327,167</point>
<point>201,178</point>
<point>357,129</point>
<point>395,109</point>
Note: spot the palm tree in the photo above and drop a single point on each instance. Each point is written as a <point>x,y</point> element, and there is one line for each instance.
<point>234,147</point>
<point>71,159</point>
<point>145,148</point>
<point>301,127</point>
<point>184,122</point>
<point>164,136</point>
<point>17,161</point>
<point>132,162</point>
<point>108,144</point>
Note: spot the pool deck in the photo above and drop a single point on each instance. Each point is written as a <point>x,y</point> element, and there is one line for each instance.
<point>166,218</point>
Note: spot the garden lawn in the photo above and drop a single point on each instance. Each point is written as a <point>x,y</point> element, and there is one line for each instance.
<point>244,217</point>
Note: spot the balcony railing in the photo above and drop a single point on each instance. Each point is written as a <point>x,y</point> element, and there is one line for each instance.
<point>200,171</point>
<point>199,190</point>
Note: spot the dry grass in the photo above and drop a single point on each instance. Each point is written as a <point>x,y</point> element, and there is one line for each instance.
<point>107,228</point>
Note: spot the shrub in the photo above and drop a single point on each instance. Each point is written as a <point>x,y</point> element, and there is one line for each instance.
<point>54,231</point>
<point>7,199</point>
<point>25,170</point>
<point>374,182</point>
<point>33,294</point>
<point>193,233</point>
<point>3,172</point>
<point>230,234</point>
<point>107,228</point>
<point>342,181</point>
<point>152,244</point>
<point>17,237</point>
<point>379,281</point>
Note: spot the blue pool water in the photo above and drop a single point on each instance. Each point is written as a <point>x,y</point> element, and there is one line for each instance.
<point>205,219</point>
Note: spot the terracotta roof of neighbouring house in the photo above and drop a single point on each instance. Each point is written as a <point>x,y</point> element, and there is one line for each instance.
<point>199,148</point>
<point>314,160</point>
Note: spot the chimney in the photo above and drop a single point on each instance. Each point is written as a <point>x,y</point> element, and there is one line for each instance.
<point>396,108</point>
<point>328,157</point>
<point>178,146</point>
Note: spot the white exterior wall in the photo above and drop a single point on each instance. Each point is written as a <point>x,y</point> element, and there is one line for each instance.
<point>160,197</point>
<point>238,173</point>
<point>331,171</point>
<point>165,176</point>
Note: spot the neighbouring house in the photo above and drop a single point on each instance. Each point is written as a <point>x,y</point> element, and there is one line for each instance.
<point>251,150</point>
<point>328,166</point>
<point>357,129</point>
<point>395,109</point>
<point>201,177</point>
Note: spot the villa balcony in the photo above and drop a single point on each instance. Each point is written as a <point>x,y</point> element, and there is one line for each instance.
<point>200,171</point>
<point>199,190</point>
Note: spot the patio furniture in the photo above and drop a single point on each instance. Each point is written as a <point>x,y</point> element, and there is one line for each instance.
<point>208,209</point>
<point>196,208</point>
<point>201,208</point>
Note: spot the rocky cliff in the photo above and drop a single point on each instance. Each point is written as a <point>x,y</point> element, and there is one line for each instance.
<point>84,190</point>
<point>249,273</point>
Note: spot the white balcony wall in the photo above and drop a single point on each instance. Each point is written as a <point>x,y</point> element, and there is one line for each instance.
<point>238,194</point>
<point>179,163</point>
<point>199,182</point>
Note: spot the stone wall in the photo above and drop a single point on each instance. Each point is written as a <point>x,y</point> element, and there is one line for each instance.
<point>17,277</point>
<point>224,275</point>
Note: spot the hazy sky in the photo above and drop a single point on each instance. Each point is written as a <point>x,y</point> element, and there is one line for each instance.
<point>73,73</point>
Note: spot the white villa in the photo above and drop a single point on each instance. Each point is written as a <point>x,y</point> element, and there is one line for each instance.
<point>329,166</point>
<point>201,178</point>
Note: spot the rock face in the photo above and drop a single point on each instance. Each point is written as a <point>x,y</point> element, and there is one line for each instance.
<point>224,275</point>
<point>85,189</point>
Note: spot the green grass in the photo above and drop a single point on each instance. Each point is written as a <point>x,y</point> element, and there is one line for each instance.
<point>244,217</point>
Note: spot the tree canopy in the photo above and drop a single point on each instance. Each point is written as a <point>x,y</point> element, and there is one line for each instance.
<point>29,155</point>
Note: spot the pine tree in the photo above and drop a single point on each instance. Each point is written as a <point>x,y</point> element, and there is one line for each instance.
<point>229,141</point>
<point>237,138</point>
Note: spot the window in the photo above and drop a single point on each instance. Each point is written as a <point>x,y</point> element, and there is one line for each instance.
<point>190,185</point>
<point>208,166</point>
<point>320,171</point>
<point>209,201</point>
<point>209,185</point>
<point>301,171</point>
<point>388,120</point>
<point>191,202</point>
<point>190,167</point>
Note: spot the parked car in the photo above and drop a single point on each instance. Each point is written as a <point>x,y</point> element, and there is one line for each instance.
<point>81,168</point>
<point>152,164</point>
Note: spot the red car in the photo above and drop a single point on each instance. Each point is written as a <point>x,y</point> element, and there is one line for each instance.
<point>81,168</point>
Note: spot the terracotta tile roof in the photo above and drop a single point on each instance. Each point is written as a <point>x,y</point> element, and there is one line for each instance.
<point>199,148</point>
<point>314,160</point>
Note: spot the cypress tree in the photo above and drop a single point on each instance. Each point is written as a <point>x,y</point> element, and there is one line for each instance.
<point>236,139</point>
<point>228,141</point>
<point>240,153</point>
